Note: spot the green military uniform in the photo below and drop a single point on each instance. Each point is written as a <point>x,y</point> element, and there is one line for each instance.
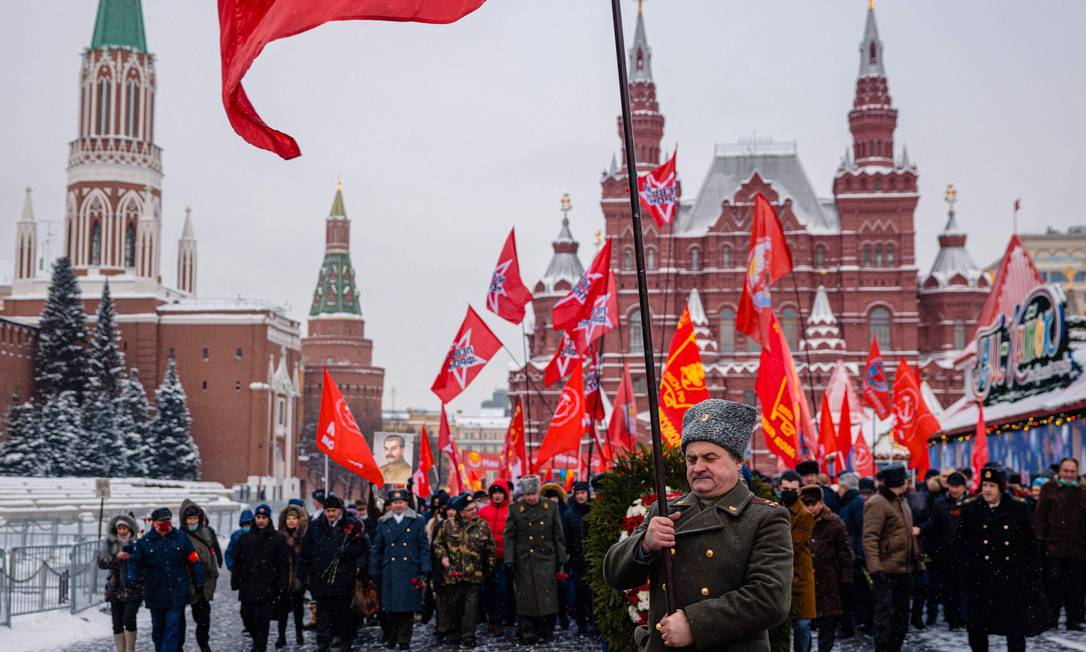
<point>535,545</point>
<point>731,567</point>
<point>471,552</point>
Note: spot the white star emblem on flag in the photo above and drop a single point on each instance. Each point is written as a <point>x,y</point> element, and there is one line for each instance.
<point>463,359</point>
<point>598,319</point>
<point>497,285</point>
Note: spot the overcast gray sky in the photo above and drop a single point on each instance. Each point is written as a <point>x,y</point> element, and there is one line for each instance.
<point>447,135</point>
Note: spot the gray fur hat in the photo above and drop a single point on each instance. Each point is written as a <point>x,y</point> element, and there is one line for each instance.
<point>528,484</point>
<point>725,423</point>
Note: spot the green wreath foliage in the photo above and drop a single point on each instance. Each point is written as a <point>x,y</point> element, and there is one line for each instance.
<point>631,478</point>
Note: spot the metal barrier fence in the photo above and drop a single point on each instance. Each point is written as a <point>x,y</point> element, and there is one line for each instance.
<point>5,601</point>
<point>87,581</point>
<point>38,579</point>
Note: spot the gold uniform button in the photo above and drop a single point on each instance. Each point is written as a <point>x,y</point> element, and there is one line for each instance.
<point>672,551</point>
<point>663,586</point>
<point>985,557</point>
<point>1006,543</point>
<point>530,551</point>
<point>658,626</point>
<point>1006,527</point>
<point>709,552</point>
<point>705,590</point>
<point>731,508</point>
<point>985,542</point>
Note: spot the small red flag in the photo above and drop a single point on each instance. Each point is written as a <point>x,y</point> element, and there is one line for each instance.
<point>446,445</point>
<point>246,26</point>
<point>507,294</point>
<point>593,397</point>
<point>562,361</point>
<point>622,431</point>
<point>514,457</point>
<point>780,410</point>
<point>339,437</point>
<point>578,303</point>
<point>980,446</point>
<point>564,433</point>
<point>426,462</point>
<point>768,259</point>
<point>876,385</point>
<point>682,383</point>
<point>601,320</point>
<point>827,438</point>
<point>863,462</point>
<point>659,191</point>
<point>844,434</point>
<point>913,421</point>
<point>475,344</point>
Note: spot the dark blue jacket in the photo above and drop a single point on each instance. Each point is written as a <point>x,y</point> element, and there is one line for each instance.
<point>322,546</point>
<point>231,547</point>
<point>163,564</point>
<point>852,513</point>
<point>400,552</point>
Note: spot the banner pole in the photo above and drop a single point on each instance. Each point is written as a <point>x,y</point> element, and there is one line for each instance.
<point>642,291</point>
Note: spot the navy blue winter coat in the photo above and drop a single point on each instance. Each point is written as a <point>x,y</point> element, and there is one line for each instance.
<point>400,552</point>
<point>322,546</point>
<point>163,564</point>
<point>852,513</point>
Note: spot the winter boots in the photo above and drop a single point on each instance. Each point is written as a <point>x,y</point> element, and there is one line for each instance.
<point>119,643</point>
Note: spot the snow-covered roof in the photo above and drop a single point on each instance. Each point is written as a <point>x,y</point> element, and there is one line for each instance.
<point>22,497</point>
<point>953,260</point>
<point>220,305</point>
<point>564,265</point>
<point>822,332</point>
<point>702,334</point>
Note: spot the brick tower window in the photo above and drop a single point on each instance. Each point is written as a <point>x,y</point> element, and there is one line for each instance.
<point>239,353</point>
<point>102,115</point>
<point>637,344</point>
<point>878,320</point>
<point>96,244</point>
<point>695,259</point>
<point>627,260</point>
<point>726,257</point>
<point>727,330</point>
<point>650,258</point>
<point>130,246</point>
<point>959,334</point>
<point>790,326</point>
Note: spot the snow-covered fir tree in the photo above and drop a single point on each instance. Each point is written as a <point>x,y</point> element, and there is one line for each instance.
<point>22,452</point>
<point>60,363</point>
<point>61,431</point>
<point>103,447</point>
<point>175,453</point>
<point>105,362</point>
<point>105,450</point>
<point>133,422</point>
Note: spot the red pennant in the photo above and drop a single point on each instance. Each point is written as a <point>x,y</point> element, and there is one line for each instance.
<point>876,386</point>
<point>622,431</point>
<point>659,192</point>
<point>780,410</point>
<point>567,424</point>
<point>426,462</point>
<point>844,434</point>
<point>593,397</point>
<point>514,457</point>
<point>979,457</point>
<point>601,320</point>
<point>578,304</point>
<point>863,462</point>
<point>913,421</point>
<point>682,383</point>
<point>339,437</point>
<point>768,259</point>
<point>560,365</point>
<point>446,445</point>
<point>246,26</point>
<point>507,294</point>
<point>475,344</point>
<point>827,439</point>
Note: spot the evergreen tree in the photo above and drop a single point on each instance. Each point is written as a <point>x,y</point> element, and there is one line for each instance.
<point>105,363</point>
<point>61,428</point>
<point>60,363</point>
<point>133,422</point>
<point>175,452</point>
<point>105,453</point>
<point>102,453</point>
<point>22,452</point>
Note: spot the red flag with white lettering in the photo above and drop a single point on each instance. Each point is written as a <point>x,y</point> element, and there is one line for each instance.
<point>507,294</point>
<point>340,438</point>
<point>601,320</point>
<point>578,303</point>
<point>475,344</point>
<point>567,425</point>
<point>659,191</point>
<point>768,259</point>
<point>562,362</point>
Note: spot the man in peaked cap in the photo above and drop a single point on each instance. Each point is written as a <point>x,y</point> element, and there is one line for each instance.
<point>889,542</point>
<point>535,550</point>
<point>719,603</point>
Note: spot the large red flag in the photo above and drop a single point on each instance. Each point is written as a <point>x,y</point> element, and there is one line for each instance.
<point>578,304</point>
<point>446,445</point>
<point>514,457</point>
<point>980,446</point>
<point>507,294</point>
<point>827,438</point>
<point>780,410</point>
<point>863,462</point>
<point>622,430</point>
<point>659,191</point>
<point>682,383</point>
<point>339,437</point>
<point>602,319</point>
<point>246,26</point>
<point>913,421</point>
<point>567,425</point>
<point>768,259</point>
<point>876,385</point>
<point>426,462</point>
<point>844,434</point>
<point>562,361</point>
<point>475,344</point>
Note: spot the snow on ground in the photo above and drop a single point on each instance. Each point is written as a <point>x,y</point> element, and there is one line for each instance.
<point>54,630</point>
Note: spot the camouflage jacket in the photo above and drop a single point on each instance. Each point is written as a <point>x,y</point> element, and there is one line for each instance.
<point>469,547</point>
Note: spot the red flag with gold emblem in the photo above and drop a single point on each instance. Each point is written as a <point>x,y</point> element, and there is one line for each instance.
<point>514,457</point>
<point>780,411</point>
<point>567,425</point>
<point>340,438</point>
<point>768,259</point>
<point>682,383</point>
<point>913,421</point>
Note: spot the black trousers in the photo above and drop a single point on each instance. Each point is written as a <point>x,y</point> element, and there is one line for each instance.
<point>460,604</point>
<point>398,627</point>
<point>582,597</point>
<point>201,615</point>
<point>1064,584</point>
<point>826,626</point>
<point>333,619</point>
<point>953,586</point>
<point>260,616</point>
<point>858,601</point>
<point>921,596</point>
<point>978,641</point>
<point>892,611</point>
<point>124,614</point>
<point>537,628</point>
<point>291,603</point>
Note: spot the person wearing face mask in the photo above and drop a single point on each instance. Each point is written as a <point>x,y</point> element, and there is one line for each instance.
<point>206,542</point>
<point>466,552</point>
<point>261,574</point>
<point>731,551</point>
<point>164,559</point>
<point>400,557</point>
<point>795,632</point>
<point>535,550</point>
<point>1060,524</point>
<point>890,551</point>
<point>123,597</point>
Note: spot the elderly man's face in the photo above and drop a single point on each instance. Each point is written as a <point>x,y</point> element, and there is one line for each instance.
<point>398,506</point>
<point>531,499</point>
<point>393,450</point>
<point>1069,471</point>
<point>710,470</point>
<point>332,514</point>
<point>990,492</point>
<point>956,491</point>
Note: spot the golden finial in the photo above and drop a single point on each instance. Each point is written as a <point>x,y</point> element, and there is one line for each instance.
<point>567,203</point>
<point>641,7</point>
<point>951,195</point>
<point>339,183</point>
<point>870,5</point>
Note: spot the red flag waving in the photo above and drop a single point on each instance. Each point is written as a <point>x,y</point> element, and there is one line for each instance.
<point>567,424</point>
<point>827,439</point>
<point>980,446</point>
<point>514,457</point>
<point>562,361</point>
<point>622,431</point>
<point>578,304</point>
<point>602,319</point>
<point>682,383</point>
<point>426,462</point>
<point>876,385</point>
<point>780,411</point>
<point>768,259</point>
<point>659,192</point>
<point>472,348</point>
<point>913,421</point>
<point>339,437</point>
<point>593,393</point>
<point>246,26</point>
<point>863,462</point>
<point>447,445</point>
<point>844,434</point>
<point>507,294</point>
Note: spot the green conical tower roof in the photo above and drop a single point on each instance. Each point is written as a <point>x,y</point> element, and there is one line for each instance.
<point>119,24</point>
<point>336,292</point>
<point>338,209</point>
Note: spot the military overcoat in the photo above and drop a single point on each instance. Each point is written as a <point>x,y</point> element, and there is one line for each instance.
<point>400,553</point>
<point>534,543</point>
<point>732,569</point>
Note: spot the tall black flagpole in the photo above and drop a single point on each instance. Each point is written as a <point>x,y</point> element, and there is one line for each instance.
<point>642,291</point>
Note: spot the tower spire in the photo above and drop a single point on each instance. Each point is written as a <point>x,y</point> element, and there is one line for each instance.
<point>186,257</point>
<point>26,241</point>
<point>640,52</point>
<point>336,292</point>
<point>119,24</point>
<point>871,47</point>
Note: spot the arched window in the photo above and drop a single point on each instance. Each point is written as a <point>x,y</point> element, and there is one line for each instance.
<point>790,326</point>
<point>695,259</point>
<point>726,257</point>
<point>131,107</point>
<point>130,246</point>
<point>878,182</point>
<point>959,334</point>
<point>819,256</point>
<point>891,259</point>
<point>96,244</point>
<point>866,256</point>
<point>878,320</point>
<point>650,258</point>
<point>627,260</point>
<point>878,255</point>
<point>102,117</point>
<point>637,345</point>
<point>727,330</point>
<point>872,53</point>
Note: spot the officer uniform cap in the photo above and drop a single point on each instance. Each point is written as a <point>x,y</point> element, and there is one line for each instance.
<point>162,514</point>
<point>955,480</point>
<point>396,494</point>
<point>725,423</point>
<point>463,501</point>
<point>333,502</point>
<point>529,484</point>
<point>893,475</point>
<point>996,475</point>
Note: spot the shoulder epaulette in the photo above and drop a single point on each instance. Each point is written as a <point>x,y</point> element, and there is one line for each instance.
<point>1019,499</point>
<point>758,500</point>
<point>971,499</point>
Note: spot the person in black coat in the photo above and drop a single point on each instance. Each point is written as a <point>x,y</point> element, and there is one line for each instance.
<point>261,574</point>
<point>946,559</point>
<point>857,597</point>
<point>330,552</point>
<point>1003,592</point>
<point>574,528</point>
